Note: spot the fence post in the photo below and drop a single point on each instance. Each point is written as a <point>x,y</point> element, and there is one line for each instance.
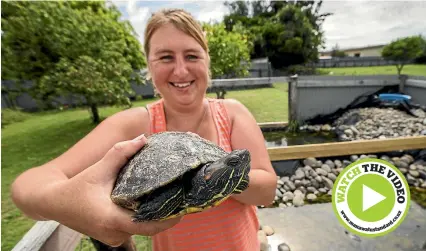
<point>292,98</point>
<point>402,81</point>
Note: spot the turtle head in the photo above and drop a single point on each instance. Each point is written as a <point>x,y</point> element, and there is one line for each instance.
<point>217,180</point>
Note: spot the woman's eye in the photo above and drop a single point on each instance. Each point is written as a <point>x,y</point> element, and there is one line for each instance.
<point>192,57</point>
<point>166,58</point>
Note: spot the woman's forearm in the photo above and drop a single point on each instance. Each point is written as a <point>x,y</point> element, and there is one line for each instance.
<point>261,190</point>
<point>30,188</point>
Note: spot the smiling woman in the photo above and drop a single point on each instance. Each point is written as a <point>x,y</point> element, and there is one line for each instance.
<point>77,185</point>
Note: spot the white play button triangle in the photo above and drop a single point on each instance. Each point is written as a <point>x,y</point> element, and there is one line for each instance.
<point>370,197</point>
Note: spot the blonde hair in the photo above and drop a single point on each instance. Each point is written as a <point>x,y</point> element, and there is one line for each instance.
<point>179,18</point>
<point>183,21</point>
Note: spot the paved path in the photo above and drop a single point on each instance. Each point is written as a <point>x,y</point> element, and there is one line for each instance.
<point>315,227</point>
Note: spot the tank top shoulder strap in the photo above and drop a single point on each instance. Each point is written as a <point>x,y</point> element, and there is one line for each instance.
<point>222,123</point>
<point>156,116</point>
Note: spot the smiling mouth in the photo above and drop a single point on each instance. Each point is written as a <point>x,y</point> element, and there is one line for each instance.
<point>182,84</point>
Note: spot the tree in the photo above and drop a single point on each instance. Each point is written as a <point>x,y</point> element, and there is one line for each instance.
<point>288,32</point>
<point>71,48</point>
<point>229,51</point>
<point>403,50</point>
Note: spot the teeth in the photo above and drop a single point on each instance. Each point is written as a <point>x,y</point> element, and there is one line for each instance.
<point>182,85</point>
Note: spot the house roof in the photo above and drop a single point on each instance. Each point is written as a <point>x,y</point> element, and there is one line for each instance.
<point>358,48</point>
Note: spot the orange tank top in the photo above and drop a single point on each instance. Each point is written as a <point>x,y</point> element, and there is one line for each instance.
<point>230,226</point>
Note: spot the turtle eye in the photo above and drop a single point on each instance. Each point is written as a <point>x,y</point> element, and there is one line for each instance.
<point>233,161</point>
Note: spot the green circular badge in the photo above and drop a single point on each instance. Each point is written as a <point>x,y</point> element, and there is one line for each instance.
<point>371,197</point>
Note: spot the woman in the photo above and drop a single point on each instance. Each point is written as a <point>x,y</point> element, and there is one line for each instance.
<point>74,188</point>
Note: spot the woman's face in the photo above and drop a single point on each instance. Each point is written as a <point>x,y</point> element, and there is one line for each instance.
<point>178,66</point>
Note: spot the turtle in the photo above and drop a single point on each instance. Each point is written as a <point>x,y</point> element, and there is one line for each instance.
<point>178,173</point>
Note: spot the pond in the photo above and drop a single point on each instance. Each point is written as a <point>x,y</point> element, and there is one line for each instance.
<point>283,138</point>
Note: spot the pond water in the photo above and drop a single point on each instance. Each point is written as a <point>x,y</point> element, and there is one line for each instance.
<point>283,138</point>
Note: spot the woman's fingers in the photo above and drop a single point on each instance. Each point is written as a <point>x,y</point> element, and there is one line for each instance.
<point>109,166</point>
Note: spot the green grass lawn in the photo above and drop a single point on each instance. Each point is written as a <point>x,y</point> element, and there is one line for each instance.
<point>416,70</point>
<point>39,137</point>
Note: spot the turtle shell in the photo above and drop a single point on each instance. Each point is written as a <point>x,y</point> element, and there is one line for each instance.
<point>164,158</point>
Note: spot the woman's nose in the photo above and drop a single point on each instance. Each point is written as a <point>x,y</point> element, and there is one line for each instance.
<point>180,67</point>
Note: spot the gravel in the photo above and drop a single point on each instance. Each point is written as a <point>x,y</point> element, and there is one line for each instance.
<point>374,123</point>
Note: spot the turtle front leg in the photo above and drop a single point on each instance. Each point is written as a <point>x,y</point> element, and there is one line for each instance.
<point>160,204</point>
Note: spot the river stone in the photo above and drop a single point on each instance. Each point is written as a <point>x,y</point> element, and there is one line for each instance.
<point>311,189</point>
<point>299,174</point>
<point>306,182</point>
<point>354,158</point>
<point>291,185</point>
<point>363,156</point>
<point>306,173</point>
<point>313,173</point>
<point>303,190</point>
<point>309,161</point>
<point>407,159</point>
<point>338,163</point>
<point>315,183</point>
<point>264,245</point>
<point>349,132</point>
<point>346,163</point>
<point>319,179</point>
<point>322,190</point>
<point>400,164</point>
<point>332,176</point>
<point>328,183</point>
<point>307,168</point>
<point>282,205</point>
<point>414,173</point>
<point>283,247</point>
<point>311,197</point>
<point>297,183</point>
<point>330,163</point>
<point>326,168</point>
<point>288,196</point>
<point>268,230</point>
<point>385,157</point>
<point>298,200</point>
<point>321,171</point>
<point>280,182</point>
<point>297,192</point>
<point>278,193</point>
<point>284,179</point>
<point>335,171</point>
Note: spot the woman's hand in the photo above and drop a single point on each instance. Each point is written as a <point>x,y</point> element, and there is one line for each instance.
<point>83,202</point>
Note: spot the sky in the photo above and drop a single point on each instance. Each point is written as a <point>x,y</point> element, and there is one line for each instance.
<point>354,23</point>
